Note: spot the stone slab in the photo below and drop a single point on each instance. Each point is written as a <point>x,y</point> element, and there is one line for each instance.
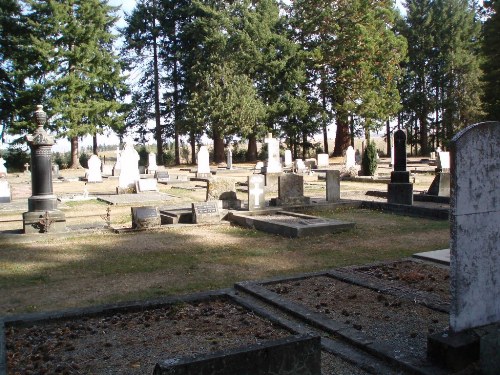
<point>206,212</point>
<point>290,224</point>
<point>146,185</point>
<point>437,256</point>
<point>300,355</point>
<point>176,216</point>
<point>145,217</point>
<point>400,193</point>
<point>453,350</point>
<point>489,355</point>
<point>133,198</point>
<point>34,222</point>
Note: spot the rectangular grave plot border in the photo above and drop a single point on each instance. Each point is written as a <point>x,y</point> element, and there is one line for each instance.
<point>349,335</point>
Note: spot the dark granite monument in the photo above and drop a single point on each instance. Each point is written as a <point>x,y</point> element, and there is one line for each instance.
<point>42,215</point>
<point>400,189</point>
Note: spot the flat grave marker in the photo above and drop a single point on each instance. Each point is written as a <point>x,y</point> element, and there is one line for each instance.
<point>206,212</point>
<point>145,217</point>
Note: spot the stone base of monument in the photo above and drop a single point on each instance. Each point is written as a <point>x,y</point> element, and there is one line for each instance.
<point>294,355</point>
<point>42,203</point>
<point>400,193</point>
<point>203,175</point>
<point>291,201</point>
<point>289,224</point>
<point>145,217</point>
<point>44,221</point>
<point>176,216</point>
<point>440,186</point>
<point>456,351</point>
<point>125,190</point>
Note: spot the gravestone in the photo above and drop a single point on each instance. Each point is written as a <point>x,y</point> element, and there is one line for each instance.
<point>55,171</point>
<point>291,190</point>
<point>332,186</point>
<point>288,159</point>
<point>443,162</point>
<point>350,158</point>
<point>392,155</point>
<point>206,212</point>
<point>118,164</point>
<point>94,171</point>
<point>145,217</point>
<point>256,192</point>
<point>475,223</point>
<point>273,155</point>
<point>129,173</point>
<point>300,166</point>
<point>223,189</point>
<point>323,161</point>
<point>400,189</point>
<point>162,176</point>
<point>229,161</point>
<point>203,167</point>
<point>43,215</point>
<point>152,167</point>
<point>310,163</point>
<point>146,184</point>
<point>5,193</point>
<point>3,169</point>
<point>258,167</point>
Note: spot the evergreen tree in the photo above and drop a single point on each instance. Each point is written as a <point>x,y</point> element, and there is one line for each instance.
<point>491,50</point>
<point>78,68</point>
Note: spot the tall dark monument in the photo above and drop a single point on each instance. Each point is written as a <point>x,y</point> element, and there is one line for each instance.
<point>42,215</point>
<point>400,189</point>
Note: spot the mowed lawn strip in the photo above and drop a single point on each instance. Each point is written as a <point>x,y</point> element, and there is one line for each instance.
<point>83,270</point>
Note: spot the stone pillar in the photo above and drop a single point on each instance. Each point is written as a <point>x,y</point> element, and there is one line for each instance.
<point>332,186</point>
<point>400,189</point>
<point>42,215</point>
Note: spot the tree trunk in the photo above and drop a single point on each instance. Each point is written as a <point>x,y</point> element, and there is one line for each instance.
<point>75,161</point>
<point>95,151</point>
<point>342,140</point>
<point>388,135</point>
<point>158,132</point>
<point>325,123</point>
<point>252,148</point>
<point>192,141</point>
<point>177,116</point>
<point>304,145</point>
<point>218,148</point>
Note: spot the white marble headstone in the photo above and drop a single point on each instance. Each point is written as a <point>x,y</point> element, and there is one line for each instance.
<point>5,194</point>
<point>273,154</point>
<point>129,173</point>
<point>229,164</point>
<point>300,166</point>
<point>443,160</point>
<point>350,158</point>
<point>3,169</point>
<point>152,167</point>
<point>323,161</point>
<point>94,171</point>
<point>288,159</point>
<point>203,162</point>
<point>475,223</point>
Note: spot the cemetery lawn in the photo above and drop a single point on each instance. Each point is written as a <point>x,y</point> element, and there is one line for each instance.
<point>52,273</point>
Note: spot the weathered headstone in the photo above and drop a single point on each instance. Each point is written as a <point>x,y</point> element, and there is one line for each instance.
<point>162,176</point>
<point>3,169</point>
<point>300,166</point>
<point>203,167</point>
<point>145,217</point>
<point>129,173</point>
<point>288,159</point>
<point>146,184</point>
<point>400,189</point>
<point>475,223</point>
<point>310,163</point>
<point>350,158</point>
<point>42,215</point>
<point>223,189</point>
<point>152,167</point>
<point>229,161</point>
<point>332,186</point>
<point>291,190</point>
<point>323,161</point>
<point>206,212</point>
<point>5,193</point>
<point>256,192</point>
<point>94,171</point>
<point>273,155</point>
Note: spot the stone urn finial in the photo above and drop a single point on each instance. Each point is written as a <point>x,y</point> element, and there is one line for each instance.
<point>40,116</point>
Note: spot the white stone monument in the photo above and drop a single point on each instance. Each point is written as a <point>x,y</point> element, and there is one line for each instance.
<point>94,171</point>
<point>152,167</point>
<point>300,166</point>
<point>475,223</point>
<point>3,169</point>
<point>229,164</point>
<point>273,155</point>
<point>118,164</point>
<point>129,173</point>
<point>323,161</point>
<point>350,158</point>
<point>443,161</point>
<point>5,193</point>
<point>203,170</point>
<point>288,159</point>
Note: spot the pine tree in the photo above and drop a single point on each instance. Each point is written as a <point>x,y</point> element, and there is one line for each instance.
<point>79,69</point>
<point>491,50</point>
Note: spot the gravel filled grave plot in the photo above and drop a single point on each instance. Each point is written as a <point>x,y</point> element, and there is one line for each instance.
<point>415,275</point>
<point>383,318</point>
<point>131,343</point>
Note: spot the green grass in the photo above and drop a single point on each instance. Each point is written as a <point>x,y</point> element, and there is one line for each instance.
<point>43,275</point>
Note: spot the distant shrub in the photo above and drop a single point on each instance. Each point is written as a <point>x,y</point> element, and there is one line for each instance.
<point>168,158</point>
<point>143,156</point>
<point>62,159</point>
<point>15,158</point>
<point>369,161</point>
<point>84,159</point>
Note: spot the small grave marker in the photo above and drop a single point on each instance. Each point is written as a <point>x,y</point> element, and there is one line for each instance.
<point>145,217</point>
<point>323,161</point>
<point>332,186</point>
<point>94,172</point>
<point>146,184</point>
<point>206,212</point>
<point>203,168</point>
<point>256,192</point>
<point>5,193</point>
<point>162,176</point>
